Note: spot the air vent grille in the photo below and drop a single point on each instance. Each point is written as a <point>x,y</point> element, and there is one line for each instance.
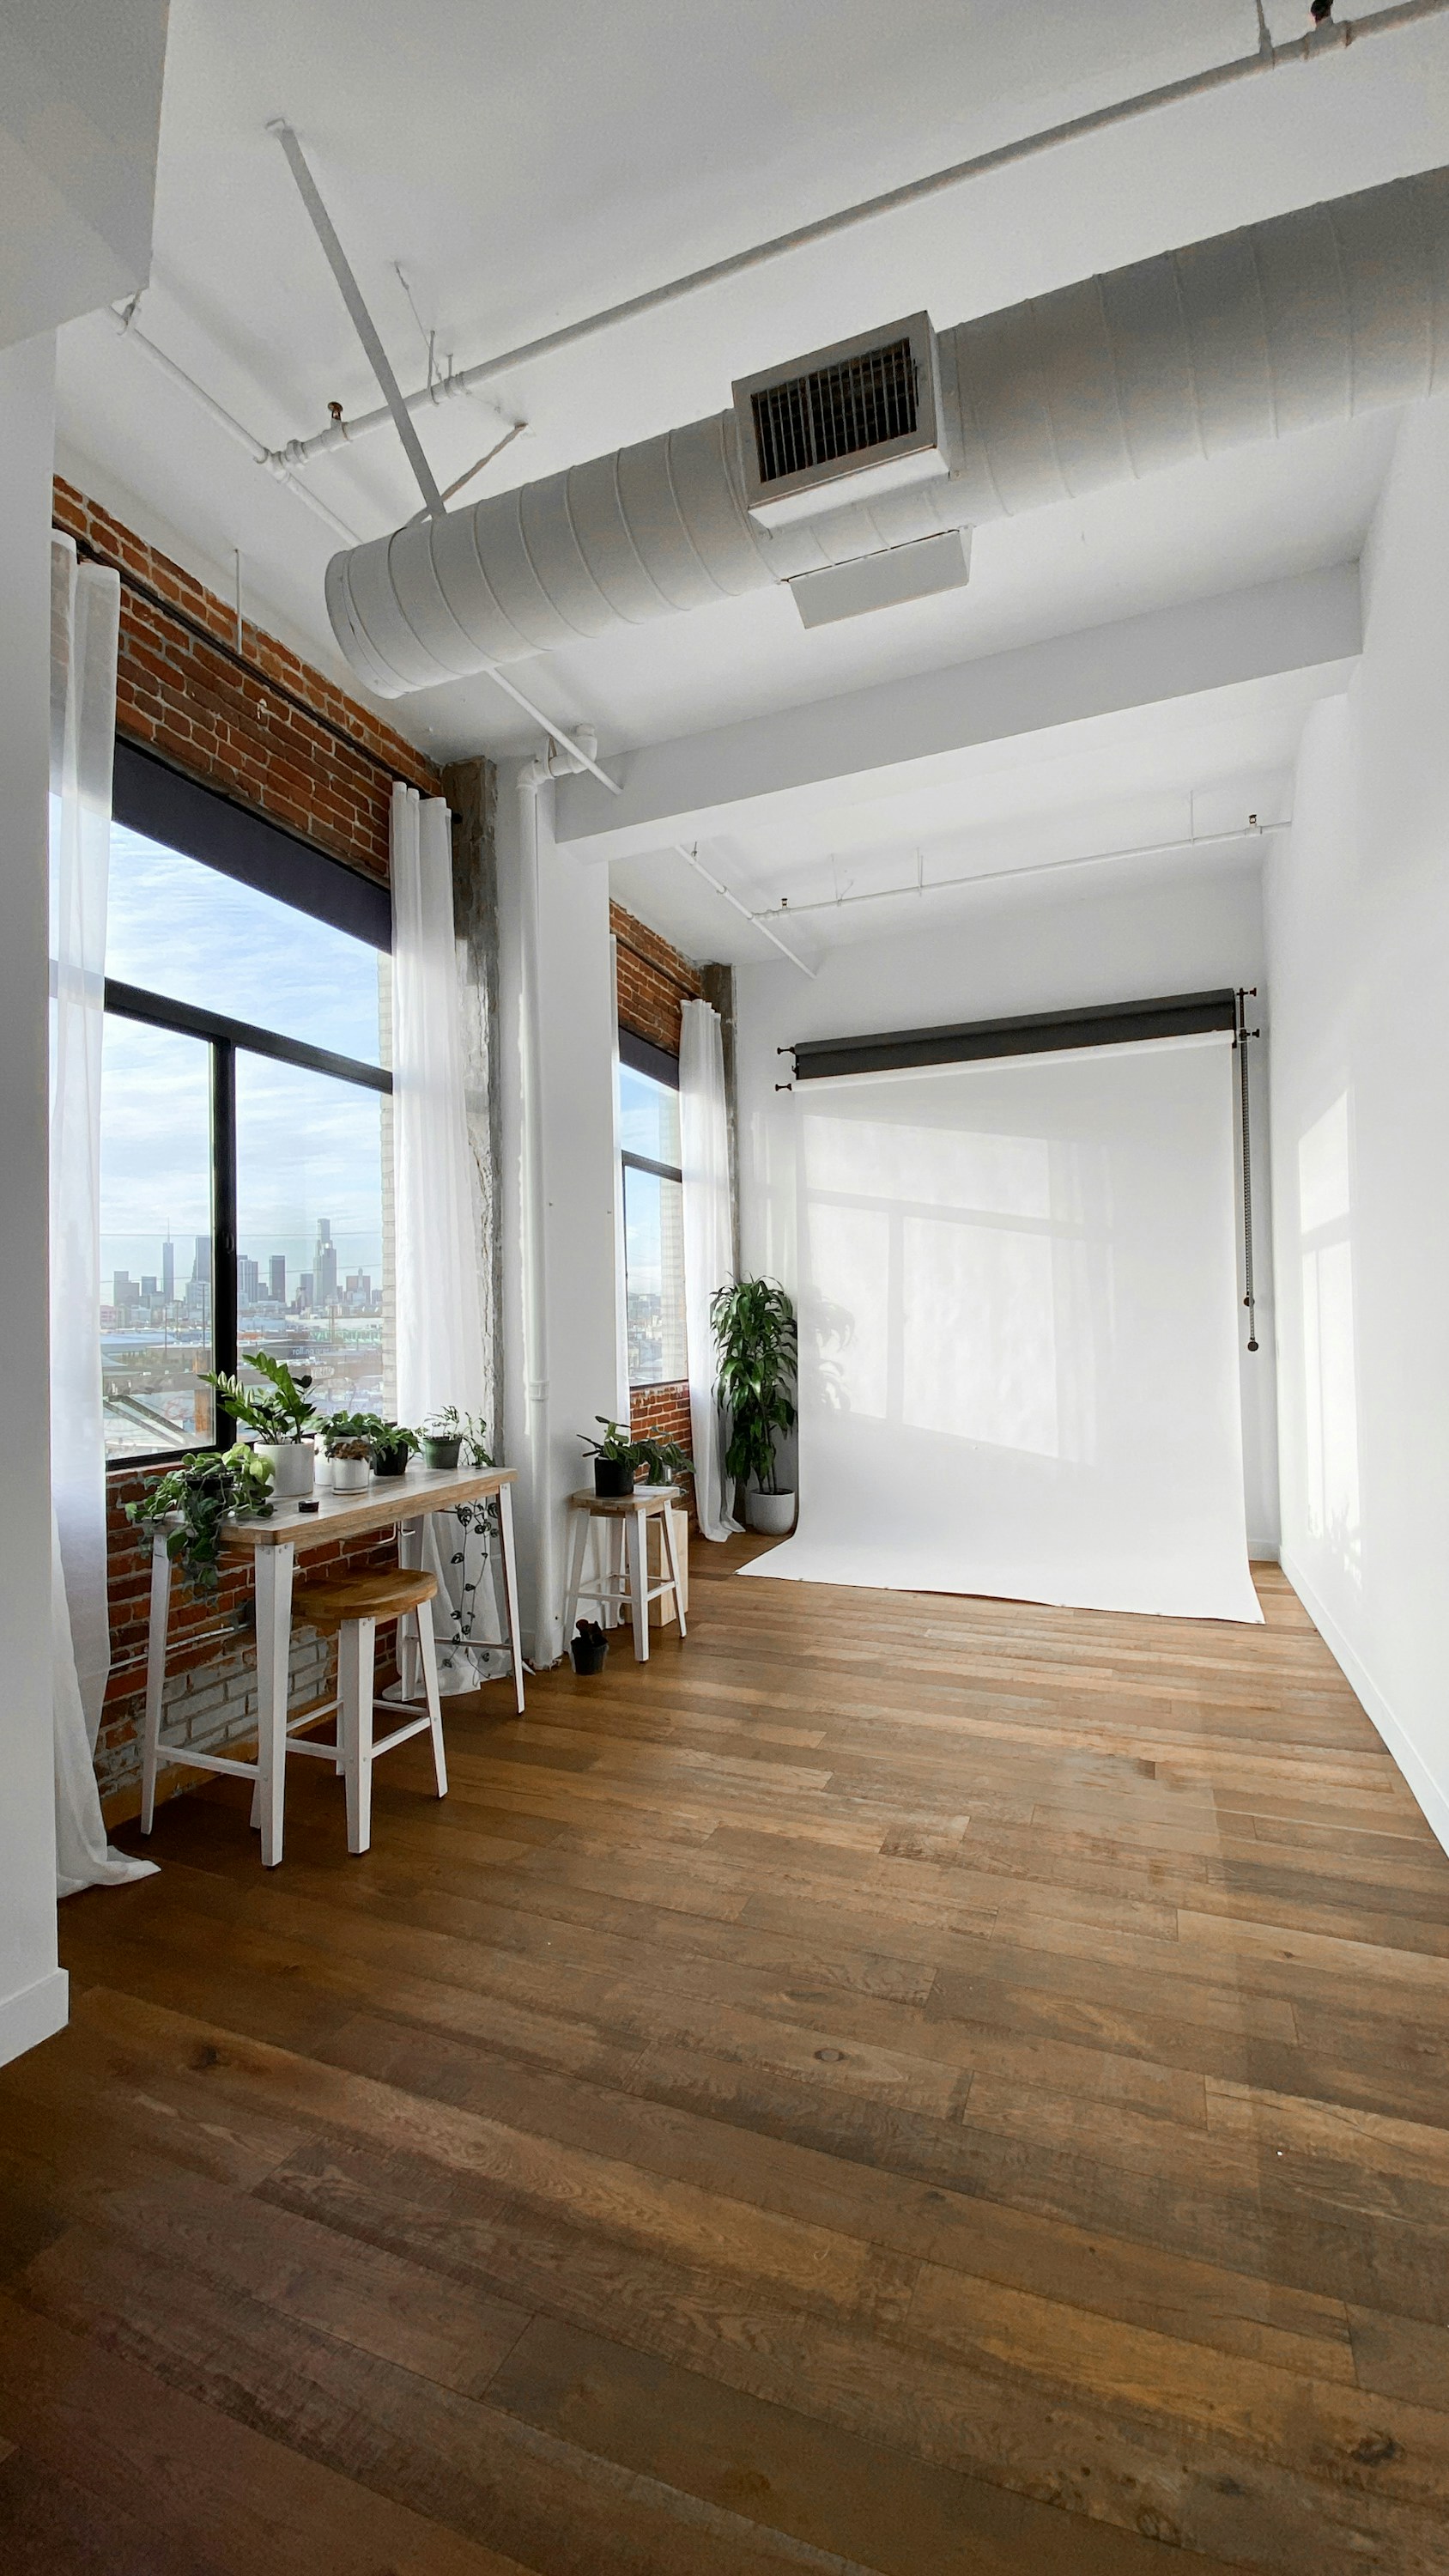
<point>858,403</point>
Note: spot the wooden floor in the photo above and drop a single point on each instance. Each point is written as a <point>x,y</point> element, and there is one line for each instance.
<point>932,2086</point>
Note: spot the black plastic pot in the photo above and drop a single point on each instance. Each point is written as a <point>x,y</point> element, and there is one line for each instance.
<point>588,1654</point>
<point>613,1479</point>
<point>390,1459</point>
<point>441,1453</point>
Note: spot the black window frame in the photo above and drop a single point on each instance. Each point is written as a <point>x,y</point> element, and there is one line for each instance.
<point>658,1065</point>
<point>177,812</point>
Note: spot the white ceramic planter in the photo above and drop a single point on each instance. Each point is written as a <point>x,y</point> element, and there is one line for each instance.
<point>292,1464</point>
<point>772,1514</point>
<point>351,1475</point>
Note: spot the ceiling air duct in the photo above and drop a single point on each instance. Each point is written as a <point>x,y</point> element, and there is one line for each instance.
<point>884,456</point>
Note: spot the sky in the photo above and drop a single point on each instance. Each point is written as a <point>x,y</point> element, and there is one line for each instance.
<point>307,1146</point>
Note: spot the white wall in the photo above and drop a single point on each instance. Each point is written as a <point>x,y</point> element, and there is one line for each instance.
<point>1188,929</point>
<point>576,1048</point>
<point>32,1987</point>
<point>1357,917</point>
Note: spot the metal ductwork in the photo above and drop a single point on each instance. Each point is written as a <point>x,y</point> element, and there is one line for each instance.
<point>1313,317</point>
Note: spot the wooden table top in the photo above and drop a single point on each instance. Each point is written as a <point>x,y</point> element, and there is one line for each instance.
<point>389,1499</point>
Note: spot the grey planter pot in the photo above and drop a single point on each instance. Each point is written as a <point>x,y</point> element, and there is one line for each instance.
<point>772,1514</point>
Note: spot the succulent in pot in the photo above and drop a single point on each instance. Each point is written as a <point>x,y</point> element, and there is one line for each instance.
<point>281,1414</point>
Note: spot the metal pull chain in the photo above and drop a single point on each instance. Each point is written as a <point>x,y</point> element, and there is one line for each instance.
<point>1241,1038</point>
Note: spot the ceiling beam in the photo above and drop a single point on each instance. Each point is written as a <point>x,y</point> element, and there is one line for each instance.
<point>908,732</point>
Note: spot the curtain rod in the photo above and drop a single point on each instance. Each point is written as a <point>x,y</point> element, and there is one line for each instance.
<point>228,652</point>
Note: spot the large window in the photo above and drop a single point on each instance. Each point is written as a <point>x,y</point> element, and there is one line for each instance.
<point>244,1115</point>
<point>653,1213</point>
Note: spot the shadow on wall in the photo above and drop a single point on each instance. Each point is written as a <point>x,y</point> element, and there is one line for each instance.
<point>1330,1383</point>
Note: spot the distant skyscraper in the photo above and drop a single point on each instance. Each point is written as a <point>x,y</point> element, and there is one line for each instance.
<point>168,1270</point>
<point>123,1289</point>
<point>277,1278</point>
<point>304,1291</point>
<point>201,1265</point>
<point>148,1284</point>
<point>247,1280</point>
<point>324,1266</point>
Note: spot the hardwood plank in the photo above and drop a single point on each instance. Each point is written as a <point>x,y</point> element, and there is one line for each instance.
<point>896,2083</point>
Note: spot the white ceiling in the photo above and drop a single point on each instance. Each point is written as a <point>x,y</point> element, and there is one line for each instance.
<point>525,168</point>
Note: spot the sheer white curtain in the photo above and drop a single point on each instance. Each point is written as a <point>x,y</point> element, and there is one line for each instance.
<point>85,621</point>
<point>708,1245</point>
<point>440,1357</point>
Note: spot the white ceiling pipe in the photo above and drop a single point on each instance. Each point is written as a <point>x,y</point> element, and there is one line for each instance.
<point>1332,37</point>
<point>1315,316</point>
<point>923,886</point>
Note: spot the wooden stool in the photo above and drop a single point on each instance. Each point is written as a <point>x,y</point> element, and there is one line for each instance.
<point>349,1608</point>
<point>626,1586</point>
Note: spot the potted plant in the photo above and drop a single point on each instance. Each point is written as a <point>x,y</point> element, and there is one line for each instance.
<point>196,1498</point>
<point>348,1441</point>
<point>757,1345</point>
<point>615,1459</point>
<point>444,1433</point>
<point>282,1416</point>
<point>618,1458</point>
<point>392,1446</point>
<point>588,1647</point>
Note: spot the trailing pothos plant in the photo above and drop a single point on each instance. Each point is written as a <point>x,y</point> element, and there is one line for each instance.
<point>757,1347</point>
<point>209,1487</point>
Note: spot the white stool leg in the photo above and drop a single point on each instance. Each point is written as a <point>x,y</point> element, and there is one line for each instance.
<point>670,1537</point>
<point>611,1549</point>
<point>577,1553</point>
<point>639,1582</point>
<point>356,1681</point>
<point>428,1651</point>
<point>155,1676</point>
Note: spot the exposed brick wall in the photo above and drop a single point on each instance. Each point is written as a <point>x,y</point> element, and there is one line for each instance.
<point>654,981</point>
<point>188,702</point>
<point>233,729</point>
<point>662,1413</point>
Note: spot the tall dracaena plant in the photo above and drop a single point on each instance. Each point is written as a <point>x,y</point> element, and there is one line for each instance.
<point>756,1343</point>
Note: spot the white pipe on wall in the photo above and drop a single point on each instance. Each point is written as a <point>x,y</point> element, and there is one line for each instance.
<point>1330,38</point>
<point>1313,317</point>
<point>532,778</point>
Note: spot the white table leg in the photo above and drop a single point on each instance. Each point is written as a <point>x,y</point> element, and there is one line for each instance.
<point>670,1536</point>
<point>155,1677</point>
<point>274,1660</point>
<point>637,1523</point>
<point>510,1589</point>
<point>409,1553</point>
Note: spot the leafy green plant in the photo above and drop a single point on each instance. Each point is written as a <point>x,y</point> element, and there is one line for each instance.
<point>447,1423</point>
<point>281,1410</point>
<point>207,1488</point>
<point>757,1346</point>
<point>661,1459</point>
<point>351,1435</point>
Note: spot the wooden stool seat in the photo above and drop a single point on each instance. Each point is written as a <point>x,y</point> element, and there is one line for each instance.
<point>626,1588</point>
<point>383,1592</point>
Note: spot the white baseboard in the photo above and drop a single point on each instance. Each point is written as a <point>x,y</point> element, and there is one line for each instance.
<point>1425,1790</point>
<point>36,2013</point>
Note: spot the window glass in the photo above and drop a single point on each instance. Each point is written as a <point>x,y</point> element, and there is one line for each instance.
<point>155,1318</point>
<point>654,1278</point>
<point>311,1220</point>
<point>179,928</point>
<point>648,1117</point>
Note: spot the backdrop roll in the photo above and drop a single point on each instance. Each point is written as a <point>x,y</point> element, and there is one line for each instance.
<point>1019,1332</point>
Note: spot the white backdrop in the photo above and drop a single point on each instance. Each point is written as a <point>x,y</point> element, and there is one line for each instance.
<point>1019,1318</point>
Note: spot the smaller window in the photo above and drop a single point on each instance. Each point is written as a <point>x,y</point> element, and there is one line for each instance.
<point>653,1220</point>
